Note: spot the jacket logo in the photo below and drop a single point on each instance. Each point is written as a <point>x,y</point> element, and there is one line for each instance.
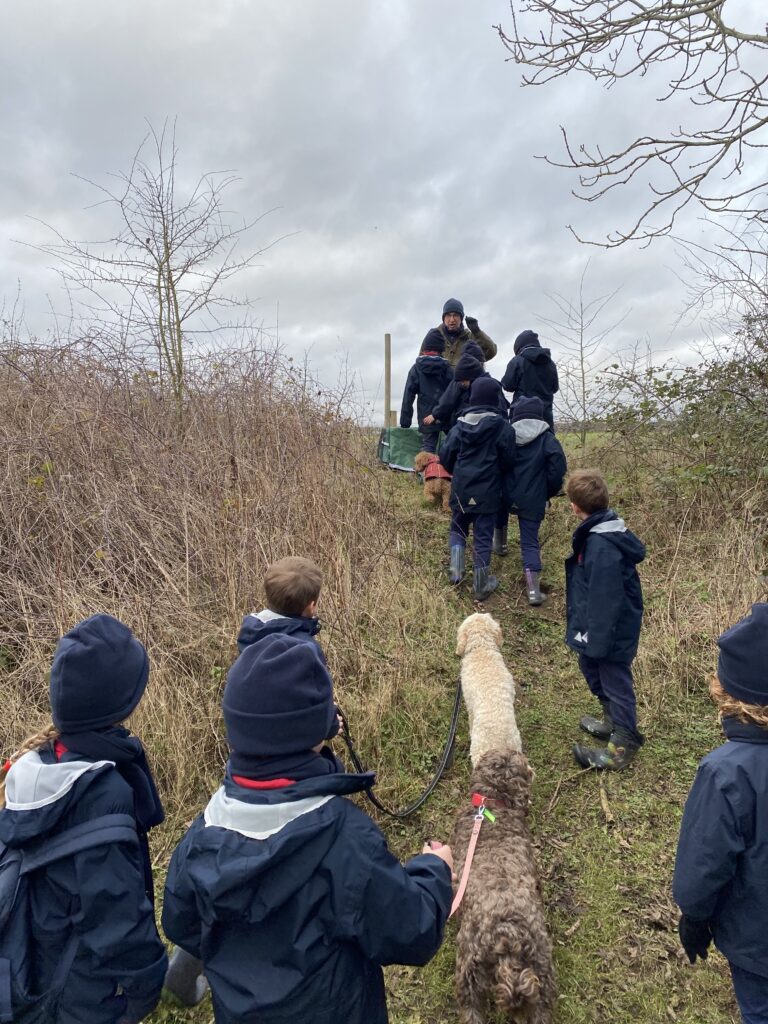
<point>472,501</point>
<point>581,637</point>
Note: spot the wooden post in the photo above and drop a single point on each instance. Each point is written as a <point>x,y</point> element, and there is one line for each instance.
<point>387,379</point>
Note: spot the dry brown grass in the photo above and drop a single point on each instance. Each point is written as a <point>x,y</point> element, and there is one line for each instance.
<point>107,507</point>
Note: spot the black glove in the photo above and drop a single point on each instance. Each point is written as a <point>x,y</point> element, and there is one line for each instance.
<point>695,937</point>
<point>472,324</point>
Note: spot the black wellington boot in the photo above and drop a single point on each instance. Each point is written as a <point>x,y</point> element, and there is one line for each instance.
<point>484,583</point>
<point>600,728</point>
<point>621,750</point>
<point>500,541</point>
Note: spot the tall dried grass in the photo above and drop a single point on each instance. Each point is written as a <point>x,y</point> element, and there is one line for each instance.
<point>108,507</point>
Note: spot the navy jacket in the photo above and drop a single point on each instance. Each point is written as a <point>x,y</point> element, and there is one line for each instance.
<point>293,902</point>
<point>455,402</point>
<point>479,452</point>
<point>264,623</point>
<point>539,469</point>
<point>428,378</point>
<point>532,374</point>
<point>721,869</point>
<point>99,892</point>
<point>604,601</point>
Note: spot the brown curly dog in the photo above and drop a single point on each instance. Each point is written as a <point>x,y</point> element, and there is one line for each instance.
<point>503,949</point>
<point>437,479</point>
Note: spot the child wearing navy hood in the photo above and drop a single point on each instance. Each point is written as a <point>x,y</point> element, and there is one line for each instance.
<point>282,886</point>
<point>531,373</point>
<point>292,588</point>
<point>427,379</point>
<point>479,451</point>
<point>604,612</point>
<point>722,856</point>
<point>92,910</point>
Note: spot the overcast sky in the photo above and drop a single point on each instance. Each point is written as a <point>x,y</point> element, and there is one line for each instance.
<point>392,141</point>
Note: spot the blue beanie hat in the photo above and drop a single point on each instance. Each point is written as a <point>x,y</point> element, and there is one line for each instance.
<point>453,306</point>
<point>742,667</point>
<point>98,675</point>
<point>485,391</point>
<point>278,698</point>
<point>525,339</point>
<point>433,341</point>
<point>467,368</point>
<point>528,409</point>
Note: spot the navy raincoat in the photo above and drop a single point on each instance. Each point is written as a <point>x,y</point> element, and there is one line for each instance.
<point>721,869</point>
<point>293,902</point>
<point>427,380</point>
<point>532,374</point>
<point>539,469</point>
<point>604,600</point>
<point>479,452</point>
<point>99,892</point>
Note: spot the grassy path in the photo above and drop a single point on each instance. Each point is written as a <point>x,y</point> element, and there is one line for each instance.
<point>605,843</point>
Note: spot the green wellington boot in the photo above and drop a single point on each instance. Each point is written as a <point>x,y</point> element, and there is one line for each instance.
<point>457,564</point>
<point>621,750</point>
<point>600,728</point>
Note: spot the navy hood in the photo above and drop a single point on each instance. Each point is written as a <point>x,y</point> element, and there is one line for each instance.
<point>607,524</point>
<point>476,426</point>
<point>536,355</point>
<point>526,339</point>
<point>258,625</point>
<point>432,366</point>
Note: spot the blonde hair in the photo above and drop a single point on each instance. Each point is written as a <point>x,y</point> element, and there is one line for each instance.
<point>291,584</point>
<point>729,707</point>
<point>587,489</point>
<point>45,735</point>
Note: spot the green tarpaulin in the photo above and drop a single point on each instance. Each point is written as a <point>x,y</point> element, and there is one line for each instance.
<point>398,447</point>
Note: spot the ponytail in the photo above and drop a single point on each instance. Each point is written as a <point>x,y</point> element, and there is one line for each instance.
<point>45,735</point>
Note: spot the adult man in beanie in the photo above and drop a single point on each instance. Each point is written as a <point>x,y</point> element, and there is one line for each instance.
<point>531,373</point>
<point>283,887</point>
<point>722,856</point>
<point>479,452</point>
<point>455,335</point>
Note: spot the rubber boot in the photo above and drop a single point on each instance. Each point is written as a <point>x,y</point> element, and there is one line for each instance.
<point>621,750</point>
<point>600,728</point>
<point>500,541</point>
<point>533,584</point>
<point>457,563</point>
<point>485,584</point>
<point>184,982</point>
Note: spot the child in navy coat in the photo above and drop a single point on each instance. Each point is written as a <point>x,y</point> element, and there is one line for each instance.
<point>83,767</point>
<point>531,373</point>
<point>539,470</point>
<point>292,588</point>
<point>282,886</point>
<point>455,399</point>
<point>479,451</point>
<point>427,379</point>
<point>604,612</point>
<point>721,869</point>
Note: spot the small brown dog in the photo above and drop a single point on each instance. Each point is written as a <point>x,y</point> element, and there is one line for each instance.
<point>503,949</point>
<point>437,479</point>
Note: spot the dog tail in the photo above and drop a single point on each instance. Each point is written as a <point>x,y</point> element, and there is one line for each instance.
<point>518,982</point>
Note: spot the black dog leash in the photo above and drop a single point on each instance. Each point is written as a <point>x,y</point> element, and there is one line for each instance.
<point>444,760</point>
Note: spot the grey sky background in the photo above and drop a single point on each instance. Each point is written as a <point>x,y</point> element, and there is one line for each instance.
<point>392,143</point>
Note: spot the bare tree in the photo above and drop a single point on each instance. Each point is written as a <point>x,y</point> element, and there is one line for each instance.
<point>579,325</point>
<point>163,279</point>
<point>719,67</point>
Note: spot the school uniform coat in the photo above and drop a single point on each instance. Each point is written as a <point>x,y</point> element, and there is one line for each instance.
<point>479,451</point>
<point>532,374</point>
<point>427,380</point>
<point>293,902</point>
<point>539,469</point>
<point>256,625</point>
<point>721,867</point>
<point>604,600</point>
<point>99,892</point>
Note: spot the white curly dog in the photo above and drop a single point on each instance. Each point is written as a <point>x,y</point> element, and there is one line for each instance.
<point>487,686</point>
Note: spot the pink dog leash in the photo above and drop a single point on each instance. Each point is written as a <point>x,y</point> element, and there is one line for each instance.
<point>478,801</point>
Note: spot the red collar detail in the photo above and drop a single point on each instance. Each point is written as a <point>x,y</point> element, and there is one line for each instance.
<point>265,784</point>
<point>59,749</point>
<point>478,799</point>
